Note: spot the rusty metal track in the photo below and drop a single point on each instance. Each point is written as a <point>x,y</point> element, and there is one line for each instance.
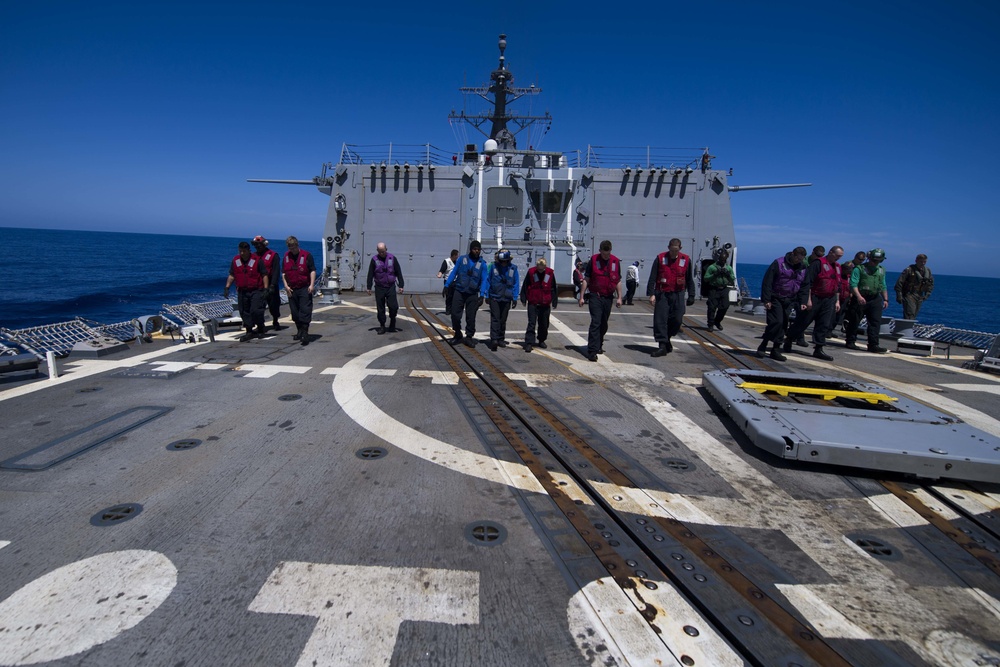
<point>790,636</point>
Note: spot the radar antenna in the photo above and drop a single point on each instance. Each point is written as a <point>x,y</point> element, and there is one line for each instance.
<point>499,94</point>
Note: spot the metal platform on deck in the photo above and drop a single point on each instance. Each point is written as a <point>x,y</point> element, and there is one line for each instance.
<point>826,419</point>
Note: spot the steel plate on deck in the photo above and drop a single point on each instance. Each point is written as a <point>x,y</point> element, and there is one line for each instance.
<point>826,419</point>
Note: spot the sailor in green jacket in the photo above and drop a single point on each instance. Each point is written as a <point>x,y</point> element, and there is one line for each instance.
<point>868,287</point>
<point>719,278</point>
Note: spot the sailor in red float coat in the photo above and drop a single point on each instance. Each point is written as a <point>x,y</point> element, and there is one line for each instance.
<point>602,276</point>
<point>299,273</point>
<point>669,278</point>
<point>820,299</point>
<point>541,295</point>
<point>247,271</point>
<point>272,263</point>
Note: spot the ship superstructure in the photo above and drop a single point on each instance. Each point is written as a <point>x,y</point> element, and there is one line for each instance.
<point>423,201</point>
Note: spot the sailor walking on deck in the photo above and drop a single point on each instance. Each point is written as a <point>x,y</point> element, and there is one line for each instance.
<point>299,272</point>
<point>541,294</point>
<point>868,287</point>
<point>631,282</point>
<point>466,279</point>
<point>669,279</point>
<point>779,293</point>
<point>247,271</point>
<point>501,290</point>
<point>914,286</point>
<point>447,292</point>
<point>602,277</point>
<point>719,279</point>
<point>819,301</point>
<point>385,273</point>
<point>273,266</point>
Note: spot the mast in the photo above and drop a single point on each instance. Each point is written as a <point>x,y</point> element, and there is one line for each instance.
<point>500,93</point>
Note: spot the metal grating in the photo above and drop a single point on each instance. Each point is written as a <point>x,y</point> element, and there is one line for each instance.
<point>62,336</point>
<point>964,337</point>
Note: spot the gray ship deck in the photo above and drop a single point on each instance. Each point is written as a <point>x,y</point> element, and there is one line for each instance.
<point>390,500</point>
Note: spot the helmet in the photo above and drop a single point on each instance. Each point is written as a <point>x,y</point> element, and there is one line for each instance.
<point>259,239</point>
<point>503,255</point>
<point>876,254</point>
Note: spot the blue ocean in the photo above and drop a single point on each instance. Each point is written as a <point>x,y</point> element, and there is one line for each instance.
<point>108,277</point>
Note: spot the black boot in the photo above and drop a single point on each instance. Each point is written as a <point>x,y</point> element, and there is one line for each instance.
<point>247,336</point>
<point>820,354</point>
<point>305,335</point>
<point>276,326</point>
<point>662,351</point>
<point>777,355</point>
<point>762,349</point>
<point>392,324</point>
<point>260,330</point>
<point>298,332</point>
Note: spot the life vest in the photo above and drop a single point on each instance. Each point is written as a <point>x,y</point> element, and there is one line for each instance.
<point>469,274</point>
<point>870,284</point>
<point>385,271</point>
<point>247,274</point>
<point>719,276</point>
<point>501,284</point>
<point>914,280</point>
<point>603,281</point>
<point>827,281</point>
<point>789,280</point>
<point>268,259</point>
<point>296,270</point>
<point>540,286</point>
<point>672,276</point>
<point>845,283</point>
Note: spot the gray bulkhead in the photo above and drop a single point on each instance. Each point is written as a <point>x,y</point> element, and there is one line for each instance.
<point>533,204</point>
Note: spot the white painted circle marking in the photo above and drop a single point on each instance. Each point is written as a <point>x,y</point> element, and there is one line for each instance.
<point>83,604</point>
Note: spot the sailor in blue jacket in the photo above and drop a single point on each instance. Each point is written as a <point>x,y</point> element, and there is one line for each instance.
<point>467,278</point>
<point>500,285</point>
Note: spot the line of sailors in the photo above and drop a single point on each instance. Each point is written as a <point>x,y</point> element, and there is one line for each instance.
<point>255,275</point>
<point>821,292</point>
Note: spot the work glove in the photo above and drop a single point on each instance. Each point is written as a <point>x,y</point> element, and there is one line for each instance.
<point>513,305</point>
<point>481,301</point>
<point>690,301</point>
<point>225,293</point>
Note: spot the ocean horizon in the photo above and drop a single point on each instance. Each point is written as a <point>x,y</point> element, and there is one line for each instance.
<point>110,277</point>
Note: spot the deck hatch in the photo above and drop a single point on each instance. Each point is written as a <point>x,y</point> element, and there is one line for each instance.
<point>116,514</point>
<point>485,533</point>
<point>371,453</point>
<point>75,443</point>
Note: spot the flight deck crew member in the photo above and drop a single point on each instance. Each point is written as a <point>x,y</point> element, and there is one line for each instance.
<point>779,293</point>
<point>847,300</point>
<point>272,263</point>
<point>299,272</point>
<point>819,299</point>
<point>577,279</point>
<point>446,266</point>
<point>868,286</point>
<point>602,279</point>
<point>466,279</point>
<point>631,282</point>
<point>541,294</point>
<point>719,279</point>
<point>247,271</point>
<point>500,287</point>
<point>914,286</point>
<point>384,271</point>
<point>668,280</point>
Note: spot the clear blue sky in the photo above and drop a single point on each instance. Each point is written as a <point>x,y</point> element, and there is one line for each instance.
<point>150,116</point>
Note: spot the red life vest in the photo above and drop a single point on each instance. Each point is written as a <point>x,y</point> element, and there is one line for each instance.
<point>247,274</point>
<point>268,259</point>
<point>540,286</point>
<point>672,276</point>
<point>603,281</point>
<point>296,271</point>
<point>827,281</point>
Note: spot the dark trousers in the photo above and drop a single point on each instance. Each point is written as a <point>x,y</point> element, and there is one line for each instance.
<point>820,316</point>
<point>718,305</point>
<point>469,304</point>
<point>630,286</point>
<point>872,309</point>
<point>251,307</point>
<point>274,303</point>
<point>386,296</point>
<point>300,303</point>
<point>668,314</point>
<point>539,314</point>
<point>777,319</point>
<point>449,296</point>
<point>498,319</point>
<point>600,311</point>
